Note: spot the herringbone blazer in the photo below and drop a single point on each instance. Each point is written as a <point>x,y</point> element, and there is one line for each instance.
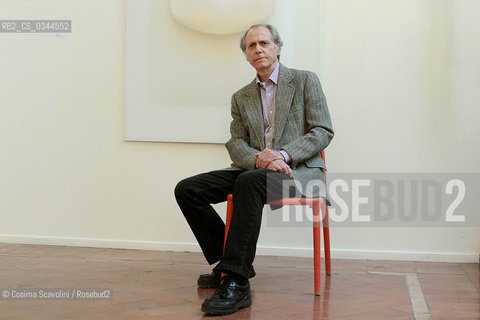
<point>302,126</point>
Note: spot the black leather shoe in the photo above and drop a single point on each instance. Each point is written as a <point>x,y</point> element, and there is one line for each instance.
<point>211,280</point>
<point>228,298</point>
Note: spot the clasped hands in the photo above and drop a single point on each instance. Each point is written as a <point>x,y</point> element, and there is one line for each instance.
<point>273,160</point>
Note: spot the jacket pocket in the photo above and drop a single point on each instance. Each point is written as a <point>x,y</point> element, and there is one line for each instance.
<point>315,162</point>
<point>295,108</point>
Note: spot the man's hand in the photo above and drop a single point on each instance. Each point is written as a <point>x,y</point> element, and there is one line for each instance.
<point>280,166</point>
<point>266,157</point>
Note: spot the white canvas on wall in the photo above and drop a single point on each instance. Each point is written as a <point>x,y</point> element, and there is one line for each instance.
<point>179,81</point>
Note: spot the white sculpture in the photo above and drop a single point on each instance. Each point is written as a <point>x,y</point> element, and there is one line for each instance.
<point>221,16</point>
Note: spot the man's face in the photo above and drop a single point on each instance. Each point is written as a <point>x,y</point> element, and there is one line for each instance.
<point>261,51</point>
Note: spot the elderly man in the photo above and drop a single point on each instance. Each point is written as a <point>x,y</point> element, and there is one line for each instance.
<point>280,124</point>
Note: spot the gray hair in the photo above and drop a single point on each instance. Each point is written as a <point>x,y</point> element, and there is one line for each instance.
<point>275,35</point>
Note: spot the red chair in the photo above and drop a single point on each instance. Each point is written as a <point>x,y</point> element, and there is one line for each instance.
<point>318,205</point>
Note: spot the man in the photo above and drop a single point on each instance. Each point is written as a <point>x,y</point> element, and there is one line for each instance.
<point>280,124</point>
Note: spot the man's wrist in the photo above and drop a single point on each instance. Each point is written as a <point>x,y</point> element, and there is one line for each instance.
<point>286,156</point>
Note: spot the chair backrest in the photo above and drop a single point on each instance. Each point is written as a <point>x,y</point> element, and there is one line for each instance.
<point>322,154</point>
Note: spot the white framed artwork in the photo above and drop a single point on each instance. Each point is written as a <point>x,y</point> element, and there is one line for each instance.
<point>179,79</point>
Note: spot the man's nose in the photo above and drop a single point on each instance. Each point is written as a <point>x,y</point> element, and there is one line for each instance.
<point>258,48</point>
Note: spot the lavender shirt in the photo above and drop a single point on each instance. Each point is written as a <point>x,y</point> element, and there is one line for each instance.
<point>268,91</point>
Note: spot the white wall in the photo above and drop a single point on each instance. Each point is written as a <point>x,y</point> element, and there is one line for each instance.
<point>401,78</point>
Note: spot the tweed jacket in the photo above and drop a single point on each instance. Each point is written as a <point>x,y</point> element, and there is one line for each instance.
<point>302,127</point>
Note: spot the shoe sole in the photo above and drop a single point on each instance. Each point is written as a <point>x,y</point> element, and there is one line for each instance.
<point>245,303</point>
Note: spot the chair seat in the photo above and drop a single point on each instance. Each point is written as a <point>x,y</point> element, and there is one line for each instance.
<point>295,201</point>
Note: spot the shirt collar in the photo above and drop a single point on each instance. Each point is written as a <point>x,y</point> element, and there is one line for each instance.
<point>273,77</point>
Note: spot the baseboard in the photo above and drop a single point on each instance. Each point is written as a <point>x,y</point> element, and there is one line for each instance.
<point>261,250</point>
<point>100,243</point>
<point>374,254</point>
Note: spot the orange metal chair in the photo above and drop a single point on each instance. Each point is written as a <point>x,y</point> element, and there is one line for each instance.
<point>318,206</point>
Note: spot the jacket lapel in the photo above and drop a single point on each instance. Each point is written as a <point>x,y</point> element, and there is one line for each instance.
<point>283,100</point>
<point>253,108</point>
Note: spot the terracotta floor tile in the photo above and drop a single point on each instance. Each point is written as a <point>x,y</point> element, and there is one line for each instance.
<point>162,285</point>
<point>439,268</point>
<point>379,266</point>
<point>438,307</point>
<point>349,266</point>
<point>284,262</point>
<point>459,315</point>
<point>471,267</point>
<point>446,282</point>
<point>474,279</point>
<point>403,267</point>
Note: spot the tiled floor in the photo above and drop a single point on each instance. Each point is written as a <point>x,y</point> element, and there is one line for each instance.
<point>162,285</point>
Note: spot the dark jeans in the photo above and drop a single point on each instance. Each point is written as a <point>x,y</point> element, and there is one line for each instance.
<point>249,188</point>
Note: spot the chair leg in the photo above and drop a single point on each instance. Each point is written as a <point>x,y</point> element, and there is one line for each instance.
<point>228,218</point>
<point>316,246</point>
<point>326,239</point>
